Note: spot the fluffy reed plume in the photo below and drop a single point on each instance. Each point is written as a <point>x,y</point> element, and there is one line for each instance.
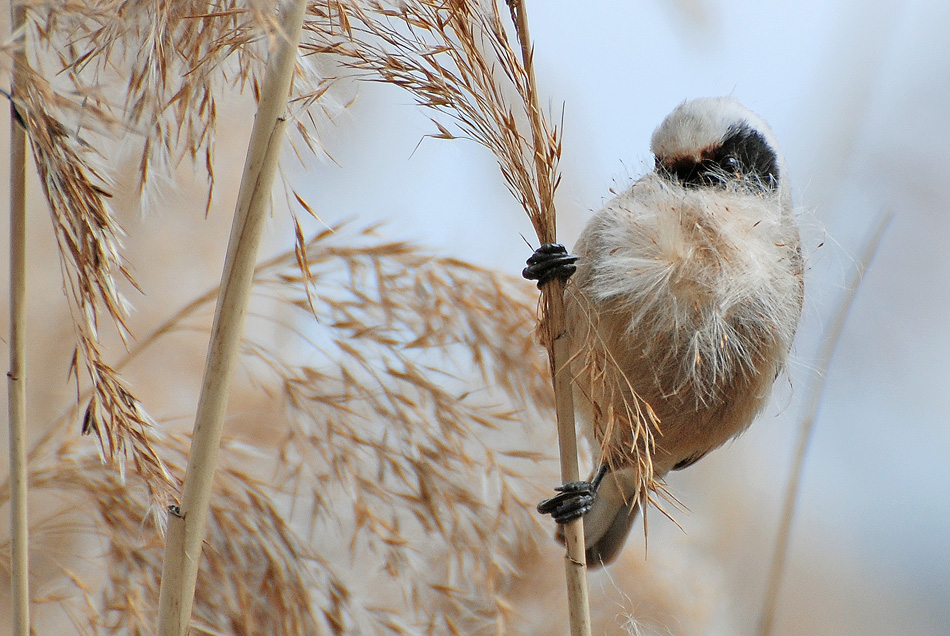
<point>126,69</point>
<point>168,60</point>
<point>456,58</point>
<point>88,236</point>
<point>378,492</point>
<point>254,578</point>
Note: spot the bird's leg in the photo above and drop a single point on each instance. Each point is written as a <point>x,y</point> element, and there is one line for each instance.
<point>549,261</point>
<point>574,499</point>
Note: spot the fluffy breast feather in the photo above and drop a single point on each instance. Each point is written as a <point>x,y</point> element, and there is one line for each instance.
<point>690,297</point>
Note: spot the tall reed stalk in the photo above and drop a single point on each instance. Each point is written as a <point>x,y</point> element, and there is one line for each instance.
<point>558,346</point>
<point>186,526</point>
<point>16,376</point>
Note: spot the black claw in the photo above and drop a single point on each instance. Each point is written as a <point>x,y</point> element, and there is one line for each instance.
<point>578,487</point>
<point>574,499</point>
<point>567,506</point>
<point>550,261</point>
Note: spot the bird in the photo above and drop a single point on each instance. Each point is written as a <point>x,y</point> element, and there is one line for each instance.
<point>682,299</point>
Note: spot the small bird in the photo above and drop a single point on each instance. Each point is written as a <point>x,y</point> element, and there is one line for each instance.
<point>685,292</point>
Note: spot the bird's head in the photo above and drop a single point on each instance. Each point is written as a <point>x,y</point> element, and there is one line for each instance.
<point>717,142</point>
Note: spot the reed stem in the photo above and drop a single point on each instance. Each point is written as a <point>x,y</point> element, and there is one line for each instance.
<point>16,377</point>
<point>556,339</point>
<point>186,526</point>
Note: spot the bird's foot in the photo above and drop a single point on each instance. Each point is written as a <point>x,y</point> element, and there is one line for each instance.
<point>548,262</point>
<point>574,499</point>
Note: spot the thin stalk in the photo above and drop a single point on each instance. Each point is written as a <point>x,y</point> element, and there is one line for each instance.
<point>575,563</point>
<point>780,554</point>
<point>186,526</point>
<point>16,377</point>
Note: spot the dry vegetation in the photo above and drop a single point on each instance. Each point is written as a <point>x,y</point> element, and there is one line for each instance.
<point>370,496</point>
<point>380,475</point>
<point>382,456</point>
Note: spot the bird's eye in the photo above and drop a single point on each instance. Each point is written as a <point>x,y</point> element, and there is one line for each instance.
<point>746,156</point>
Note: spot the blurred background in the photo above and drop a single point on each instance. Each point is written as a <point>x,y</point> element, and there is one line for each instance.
<point>858,94</point>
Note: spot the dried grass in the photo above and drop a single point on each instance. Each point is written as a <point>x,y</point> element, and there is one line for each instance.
<point>88,236</point>
<point>383,494</point>
<point>458,60</point>
<point>113,69</point>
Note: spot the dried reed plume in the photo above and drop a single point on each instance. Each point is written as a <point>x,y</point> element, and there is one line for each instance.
<point>126,69</point>
<point>456,59</point>
<point>89,239</point>
<point>379,493</point>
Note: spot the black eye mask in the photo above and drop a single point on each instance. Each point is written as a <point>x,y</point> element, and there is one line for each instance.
<point>744,155</point>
